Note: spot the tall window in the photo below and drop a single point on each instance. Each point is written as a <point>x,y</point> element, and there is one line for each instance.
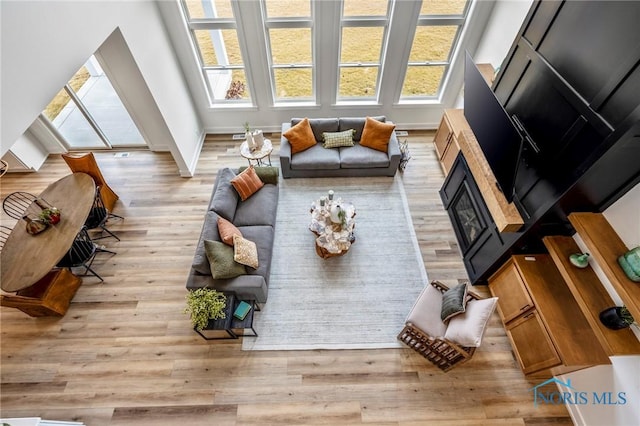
<point>362,39</point>
<point>214,32</point>
<point>89,114</point>
<point>436,35</point>
<point>273,52</point>
<point>290,39</point>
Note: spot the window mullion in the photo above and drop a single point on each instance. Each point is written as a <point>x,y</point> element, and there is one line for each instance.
<point>213,25</point>
<point>441,20</point>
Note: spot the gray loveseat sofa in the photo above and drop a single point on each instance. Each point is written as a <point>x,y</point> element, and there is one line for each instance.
<point>357,160</point>
<point>256,219</point>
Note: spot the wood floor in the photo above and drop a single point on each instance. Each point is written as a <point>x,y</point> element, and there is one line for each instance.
<point>125,353</point>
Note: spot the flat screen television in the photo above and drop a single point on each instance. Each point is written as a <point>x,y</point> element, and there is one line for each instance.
<point>497,135</point>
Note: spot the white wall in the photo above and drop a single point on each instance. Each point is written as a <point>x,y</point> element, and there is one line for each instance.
<point>503,26</point>
<point>624,217</point>
<point>43,43</point>
<point>26,155</point>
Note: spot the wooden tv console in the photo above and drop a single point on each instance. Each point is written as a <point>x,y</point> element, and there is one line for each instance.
<point>548,307</point>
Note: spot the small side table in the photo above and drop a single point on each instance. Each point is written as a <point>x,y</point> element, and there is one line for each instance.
<point>230,327</point>
<point>259,154</point>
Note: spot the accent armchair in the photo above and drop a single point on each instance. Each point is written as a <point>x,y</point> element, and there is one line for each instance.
<point>450,343</point>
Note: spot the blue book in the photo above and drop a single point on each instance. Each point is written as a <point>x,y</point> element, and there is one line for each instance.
<point>242,310</point>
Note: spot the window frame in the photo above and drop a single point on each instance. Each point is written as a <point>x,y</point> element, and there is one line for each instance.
<point>326,24</point>
<point>289,23</point>
<point>363,22</point>
<point>458,21</point>
<point>212,24</point>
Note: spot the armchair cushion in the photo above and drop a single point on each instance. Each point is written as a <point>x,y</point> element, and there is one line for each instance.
<point>467,329</point>
<point>425,313</point>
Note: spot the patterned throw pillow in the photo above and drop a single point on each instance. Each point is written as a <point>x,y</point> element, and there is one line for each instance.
<point>247,183</point>
<point>227,230</point>
<point>245,252</point>
<point>338,139</point>
<point>454,302</point>
<point>300,136</point>
<point>221,260</point>
<point>376,134</point>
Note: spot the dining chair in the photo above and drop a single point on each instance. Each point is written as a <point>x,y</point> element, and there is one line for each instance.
<point>98,216</point>
<point>86,163</point>
<point>4,234</point>
<point>15,205</point>
<point>49,296</point>
<point>82,253</point>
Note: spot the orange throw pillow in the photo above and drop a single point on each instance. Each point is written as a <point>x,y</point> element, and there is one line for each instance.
<point>300,136</point>
<point>376,134</point>
<point>247,183</point>
<point>227,230</point>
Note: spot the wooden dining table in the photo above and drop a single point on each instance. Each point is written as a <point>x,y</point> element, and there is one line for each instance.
<point>27,258</point>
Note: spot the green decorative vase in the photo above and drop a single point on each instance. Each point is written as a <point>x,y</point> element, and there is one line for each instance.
<point>630,264</point>
<point>579,260</point>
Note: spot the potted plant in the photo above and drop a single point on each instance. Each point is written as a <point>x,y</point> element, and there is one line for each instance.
<point>616,317</point>
<point>204,304</point>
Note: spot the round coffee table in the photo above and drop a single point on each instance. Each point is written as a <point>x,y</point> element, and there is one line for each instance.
<point>257,155</point>
<point>333,239</point>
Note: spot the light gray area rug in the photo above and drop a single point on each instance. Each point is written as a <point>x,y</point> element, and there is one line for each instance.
<point>356,301</point>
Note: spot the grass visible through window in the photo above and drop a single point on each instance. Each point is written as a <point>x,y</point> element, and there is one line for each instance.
<point>62,98</point>
<point>431,44</point>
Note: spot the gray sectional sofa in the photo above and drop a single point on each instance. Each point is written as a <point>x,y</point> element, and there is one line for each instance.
<point>357,160</point>
<point>256,219</point>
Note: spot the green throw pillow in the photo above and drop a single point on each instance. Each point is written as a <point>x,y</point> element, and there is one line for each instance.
<point>454,302</point>
<point>338,139</point>
<point>267,174</point>
<point>221,260</point>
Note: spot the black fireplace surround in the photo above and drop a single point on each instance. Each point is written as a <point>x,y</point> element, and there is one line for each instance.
<point>572,77</point>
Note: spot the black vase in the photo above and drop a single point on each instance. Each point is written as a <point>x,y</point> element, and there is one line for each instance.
<point>611,318</point>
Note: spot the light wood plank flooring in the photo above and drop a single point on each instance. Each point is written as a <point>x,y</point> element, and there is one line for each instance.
<point>125,353</point>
